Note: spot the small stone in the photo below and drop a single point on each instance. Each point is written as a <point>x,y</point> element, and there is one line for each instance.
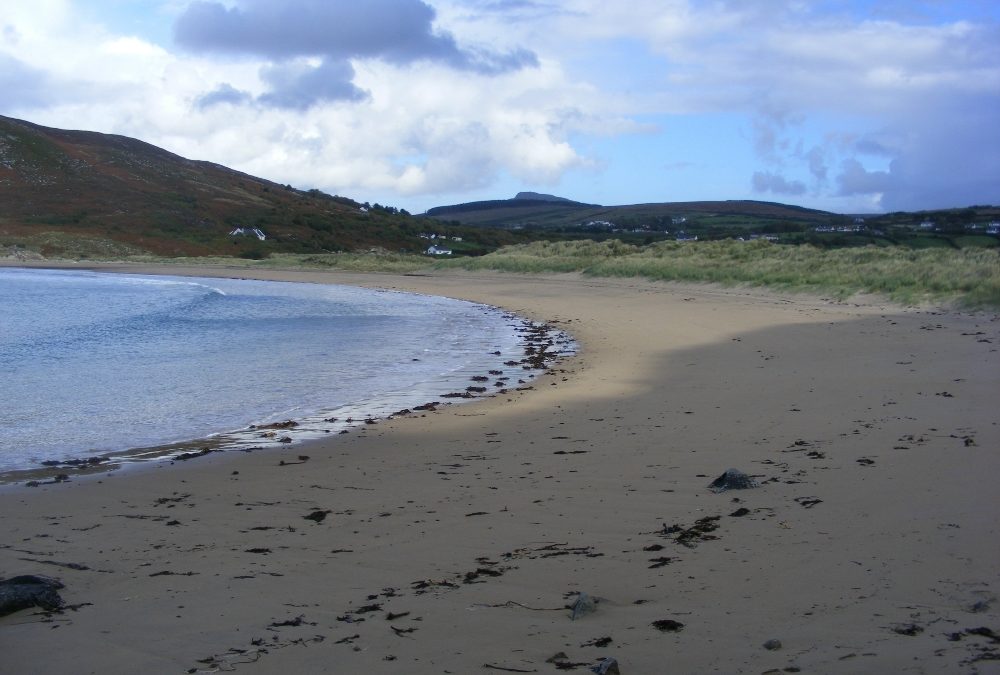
<point>668,625</point>
<point>772,645</point>
<point>732,479</point>
<point>608,666</point>
<point>317,516</point>
<point>584,604</point>
<point>29,590</point>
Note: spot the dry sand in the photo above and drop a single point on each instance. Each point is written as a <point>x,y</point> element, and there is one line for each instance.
<point>454,541</point>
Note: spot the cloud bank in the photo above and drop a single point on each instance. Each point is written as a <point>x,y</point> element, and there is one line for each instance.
<point>330,33</point>
<point>847,106</point>
<point>810,77</point>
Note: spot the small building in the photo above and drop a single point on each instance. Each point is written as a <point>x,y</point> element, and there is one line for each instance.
<point>248,232</point>
<point>993,228</point>
<point>437,250</point>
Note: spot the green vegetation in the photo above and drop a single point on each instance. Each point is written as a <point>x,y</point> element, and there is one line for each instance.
<point>99,188</point>
<point>718,219</point>
<point>732,219</point>
<point>970,276</point>
<point>399,263</point>
<point>83,195</point>
<point>62,245</point>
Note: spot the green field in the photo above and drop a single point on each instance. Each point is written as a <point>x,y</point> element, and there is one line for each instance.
<point>968,276</point>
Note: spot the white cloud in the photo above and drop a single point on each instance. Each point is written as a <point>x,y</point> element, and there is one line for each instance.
<point>836,106</point>
<point>910,83</point>
<point>771,182</point>
<point>22,85</point>
<point>854,179</point>
<point>418,127</point>
<point>791,68</point>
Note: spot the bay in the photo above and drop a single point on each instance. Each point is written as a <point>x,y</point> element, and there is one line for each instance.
<point>95,363</point>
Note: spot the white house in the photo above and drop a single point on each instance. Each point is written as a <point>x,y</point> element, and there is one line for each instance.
<point>247,232</point>
<point>435,250</point>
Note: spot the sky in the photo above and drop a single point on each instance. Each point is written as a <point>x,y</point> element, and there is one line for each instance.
<point>851,106</point>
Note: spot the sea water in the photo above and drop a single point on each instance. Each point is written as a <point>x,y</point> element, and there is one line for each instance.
<point>95,363</point>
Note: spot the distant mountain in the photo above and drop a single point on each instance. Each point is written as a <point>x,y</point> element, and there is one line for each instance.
<point>510,208</point>
<point>86,193</point>
<point>534,210</point>
<point>539,197</point>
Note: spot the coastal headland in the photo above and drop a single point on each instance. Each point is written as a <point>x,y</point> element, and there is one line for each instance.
<point>568,524</point>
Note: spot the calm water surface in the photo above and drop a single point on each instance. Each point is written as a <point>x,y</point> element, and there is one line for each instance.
<point>92,363</point>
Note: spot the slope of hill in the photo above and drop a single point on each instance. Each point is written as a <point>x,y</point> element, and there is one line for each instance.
<point>532,210</point>
<point>84,193</point>
<point>504,211</point>
<point>538,196</point>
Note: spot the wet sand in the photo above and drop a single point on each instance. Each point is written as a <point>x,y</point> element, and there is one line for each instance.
<point>457,540</point>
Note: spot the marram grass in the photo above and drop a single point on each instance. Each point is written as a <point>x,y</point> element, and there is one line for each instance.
<point>970,276</point>
<point>345,262</point>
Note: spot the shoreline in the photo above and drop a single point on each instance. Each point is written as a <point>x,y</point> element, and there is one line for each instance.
<point>537,348</point>
<point>455,542</point>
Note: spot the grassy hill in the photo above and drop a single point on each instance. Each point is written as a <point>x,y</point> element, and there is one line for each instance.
<point>82,194</point>
<point>86,194</point>
<point>733,219</point>
<point>565,215</point>
<point>968,276</point>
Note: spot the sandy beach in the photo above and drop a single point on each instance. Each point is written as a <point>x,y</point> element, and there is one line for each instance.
<point>457,540</point>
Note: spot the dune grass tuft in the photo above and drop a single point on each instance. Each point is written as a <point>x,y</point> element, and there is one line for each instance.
<point>968,276</point>
<point>347,262</point>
